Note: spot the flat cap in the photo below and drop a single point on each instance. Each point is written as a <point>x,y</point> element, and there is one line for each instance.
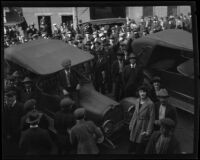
<point>156,79</point>
<point>79,113</point>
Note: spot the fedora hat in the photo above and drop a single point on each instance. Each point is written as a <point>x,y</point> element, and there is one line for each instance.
<point>132,56</point>
<point>143,88</point>
<point>26,80</point>
<point>33,117</point>
<point>66,62</point>
<point>16,74</point>
<point>162,93</point>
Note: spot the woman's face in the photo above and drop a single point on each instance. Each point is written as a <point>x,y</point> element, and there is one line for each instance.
<point>142,94</point>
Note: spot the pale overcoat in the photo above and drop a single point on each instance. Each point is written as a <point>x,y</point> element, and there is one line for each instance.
<point>142,120</point>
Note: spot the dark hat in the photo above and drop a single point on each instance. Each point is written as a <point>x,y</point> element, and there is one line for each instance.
<point>162,93</point>
<point>156,79</point>
<point>29,105</point>
<point>167,123</point>
<point>76,42</point>
<point>66,62</point>
<point>88,43</point>
<point>26,80</point>
<point>132,56</point>
<point>11,93</point>
<point>33,117</point>
<point>16,74</point>
<point>143,88</point>
<point>79,113</point>
<point>66,102</point>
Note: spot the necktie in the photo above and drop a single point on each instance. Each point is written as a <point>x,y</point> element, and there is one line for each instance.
<point>68,79</point>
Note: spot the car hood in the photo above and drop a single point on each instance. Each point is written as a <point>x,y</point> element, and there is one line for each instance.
<point>44,56</point>
<point>95,103</point>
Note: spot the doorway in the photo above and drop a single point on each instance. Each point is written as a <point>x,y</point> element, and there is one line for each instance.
<point>47,20</point>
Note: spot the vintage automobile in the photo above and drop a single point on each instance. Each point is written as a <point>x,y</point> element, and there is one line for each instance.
<point>169,54</point>
<point>41,59</point>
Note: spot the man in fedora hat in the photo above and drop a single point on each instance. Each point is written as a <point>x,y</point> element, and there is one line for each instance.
<point>164,140</point>
<point>29,106</point>
<point>85,134</point>
<point>68,81</point>
<point>35,140</point>
<point>163,109</point>
<point>13,111</point>
<point>99,72</point>
<point>28,91</point>
<point>132,77</point>
<point>117,68</point>
<point>141,124</point>
<point>64,120</point>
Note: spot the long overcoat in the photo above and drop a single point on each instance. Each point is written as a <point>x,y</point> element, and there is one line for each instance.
<point>142,120</point>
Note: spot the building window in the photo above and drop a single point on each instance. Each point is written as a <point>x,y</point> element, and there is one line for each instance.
<point>67,19</point>
<point>172,10</point>
<point>107,12</point>
<point>147,11</point>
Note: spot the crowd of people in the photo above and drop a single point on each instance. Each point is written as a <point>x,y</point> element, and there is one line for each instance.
<point>114,70</point>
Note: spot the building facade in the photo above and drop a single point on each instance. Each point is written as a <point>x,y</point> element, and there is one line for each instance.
<point>83,14</point>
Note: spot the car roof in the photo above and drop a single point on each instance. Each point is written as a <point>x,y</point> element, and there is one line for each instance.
<point>105,21</point>
<point>44,56</point>
<point>171,38</point>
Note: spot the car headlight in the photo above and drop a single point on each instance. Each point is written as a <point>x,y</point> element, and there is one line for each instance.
<point>108,126</point>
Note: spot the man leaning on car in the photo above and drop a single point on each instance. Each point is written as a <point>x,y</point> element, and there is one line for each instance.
<point>68,81</point>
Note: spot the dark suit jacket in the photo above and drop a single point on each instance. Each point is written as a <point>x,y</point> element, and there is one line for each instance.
<point>173,147</point>
<point>63,121</point>
<point>36,141</point>
<point>24,96</point>
<point>44,123</point>
<point>12,118</point>
<point>132,78</point>
<point>169,113</point>
<point>115,71</point>
<point>63,80</point>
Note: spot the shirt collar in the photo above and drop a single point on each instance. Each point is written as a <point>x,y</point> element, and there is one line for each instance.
<point>67,71</point>
<point>133,65</point>
<point>34,126</point>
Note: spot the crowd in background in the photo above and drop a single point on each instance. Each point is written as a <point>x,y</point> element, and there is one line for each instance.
<point>113,70</point>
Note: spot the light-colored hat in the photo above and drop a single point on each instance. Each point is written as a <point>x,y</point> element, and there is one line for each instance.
<point>26,80</point>
<point>79,113</point>
<point>66,62</point>
<point>162,93</point>
<point>66,102</point>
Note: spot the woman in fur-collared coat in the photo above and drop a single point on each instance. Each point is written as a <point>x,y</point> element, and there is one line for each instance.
<point>141,124</point>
